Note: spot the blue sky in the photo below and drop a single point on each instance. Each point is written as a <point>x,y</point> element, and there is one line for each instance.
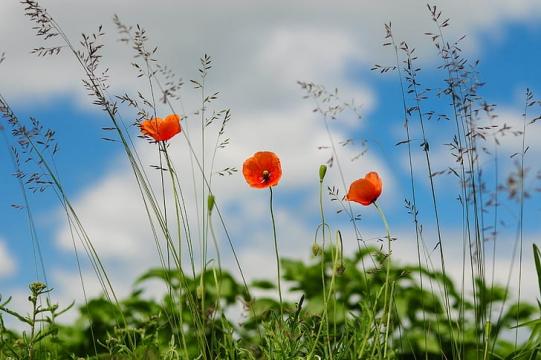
<point>258,83</point>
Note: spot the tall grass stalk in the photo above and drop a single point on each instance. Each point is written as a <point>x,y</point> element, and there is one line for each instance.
<point>412,207</point>
<point>522,173</point>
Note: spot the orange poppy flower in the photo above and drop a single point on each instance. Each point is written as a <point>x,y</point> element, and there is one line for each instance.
<point>161,129</point>
<point>365,190</point>
<point>262,170</point>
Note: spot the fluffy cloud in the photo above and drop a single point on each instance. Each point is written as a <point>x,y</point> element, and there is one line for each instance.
<point>7,260</point>
<point>276,40</point>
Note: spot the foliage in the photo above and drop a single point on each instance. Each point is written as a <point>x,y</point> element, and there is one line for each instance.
<point>419,329</point>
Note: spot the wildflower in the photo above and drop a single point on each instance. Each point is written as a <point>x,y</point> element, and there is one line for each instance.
<point>262,170</point>
<point>366,190</point>
<point>161,129</point>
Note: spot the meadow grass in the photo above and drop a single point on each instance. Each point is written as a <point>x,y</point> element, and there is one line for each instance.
<point>358,305</point>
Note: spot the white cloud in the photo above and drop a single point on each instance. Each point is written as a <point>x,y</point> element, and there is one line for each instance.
<point>310,53</point>
<point>278,41</point>
<point>8,264</point>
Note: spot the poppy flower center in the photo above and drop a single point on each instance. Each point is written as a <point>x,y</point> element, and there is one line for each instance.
<point>266,175</point>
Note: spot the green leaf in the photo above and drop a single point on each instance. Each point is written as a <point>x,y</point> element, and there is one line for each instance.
<point>537,258</point>
<point>262,284</point>
<point>264,305</point>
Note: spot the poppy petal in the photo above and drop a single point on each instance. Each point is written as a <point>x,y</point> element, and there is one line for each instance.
<point>263,169</point>
<point>169,127</point>
<point>374,178</point>
<point>365,191</point>
<point>150,127</point>
<point>252,172</point>
<point>161,129</point>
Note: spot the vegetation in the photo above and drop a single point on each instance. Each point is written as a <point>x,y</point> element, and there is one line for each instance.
<point>342,329</point>
<point>361,305</point>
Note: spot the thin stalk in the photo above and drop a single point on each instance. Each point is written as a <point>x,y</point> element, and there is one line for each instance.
<point>180,216</point>
<point>370,332</point>
<point>495,223</point>
<point>324,318</point>
<point>387,299</point>
<point>387,326</point>
<point>414,211</point>
<point>277,258</point>
<point>203,197</point>
<point>325,304</point>
<point>521,215</point>
<point>181,211</point>
<point>327,297</point>
<point>426,150</point>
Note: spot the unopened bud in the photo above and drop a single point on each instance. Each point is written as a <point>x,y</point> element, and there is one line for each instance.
<point>316,249</point>
<point>199,291</point>
<point>340,270</point>
<point>210,203</point>
<point>322,172</point>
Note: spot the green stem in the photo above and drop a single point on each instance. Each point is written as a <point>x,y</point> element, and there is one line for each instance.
<point>277,258</point>
<point>324,318</point>
<point>33,299</point>
<point>387,299</point>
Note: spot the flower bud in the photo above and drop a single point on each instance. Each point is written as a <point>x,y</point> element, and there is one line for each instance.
<point>340,269</point>
<point>316,249</point>
<point>199,292</point>
<point>210,203</point>
<point>322,172</point>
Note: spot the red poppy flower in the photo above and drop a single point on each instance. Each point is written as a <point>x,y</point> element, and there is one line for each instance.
<point>365,190</point>
<point>161,129</point>
<point>262,170</point>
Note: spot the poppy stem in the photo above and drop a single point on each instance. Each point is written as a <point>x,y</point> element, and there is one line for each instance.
<point>277,258</point>
<point>321,252</point>
<point>387,303</point>
<point>386,224</point>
